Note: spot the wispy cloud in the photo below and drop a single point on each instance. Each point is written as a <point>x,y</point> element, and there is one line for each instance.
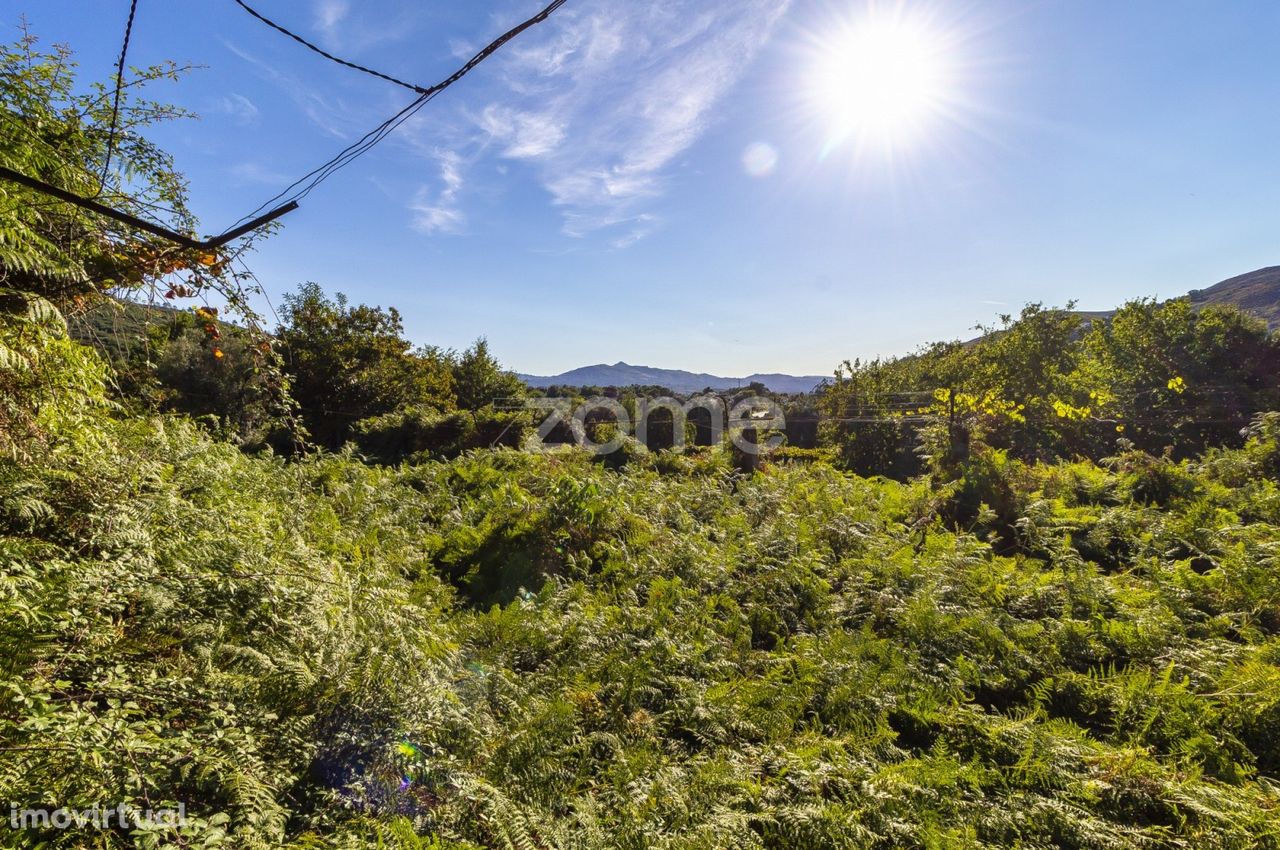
<point>239,108</point>
<point>330,115</point>
<point>329,14</point>
<point>255,172</point>
<point>604,105</point>
<point>435,208</point>
<point>524,135</point>
<point>460,49</point>
<point>602,101</point>
<point>358,27</point>
<point>640,227</point>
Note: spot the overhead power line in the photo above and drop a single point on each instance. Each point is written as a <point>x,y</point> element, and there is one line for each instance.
<point>288,199</point>
<point>303,185</point>
<point>115,103</point>
<point>293,35</point>
<point>91,204</point>
<point>141,224</point>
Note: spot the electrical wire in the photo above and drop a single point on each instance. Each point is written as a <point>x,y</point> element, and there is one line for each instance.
<point>295,191</point>
<point>303,186</point>
<point>293,35</point>
<point>115,105</point>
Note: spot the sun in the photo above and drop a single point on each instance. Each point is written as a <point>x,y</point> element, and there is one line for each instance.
<point>879,80</point>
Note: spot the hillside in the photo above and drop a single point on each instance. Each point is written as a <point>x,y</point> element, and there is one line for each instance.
<point>678,380</point>
<point>117,327</point>
<point>1257,292</point>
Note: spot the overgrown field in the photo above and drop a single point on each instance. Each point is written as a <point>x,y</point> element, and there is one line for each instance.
<point>535,651</point>
<point>520,650</point>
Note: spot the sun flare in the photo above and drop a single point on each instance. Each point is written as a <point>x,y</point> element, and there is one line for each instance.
<point>879,80</point>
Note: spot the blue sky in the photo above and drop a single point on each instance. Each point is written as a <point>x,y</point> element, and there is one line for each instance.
<point>659,183</point>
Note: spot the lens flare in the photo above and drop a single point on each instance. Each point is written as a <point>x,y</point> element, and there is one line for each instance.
<point>760,159</point>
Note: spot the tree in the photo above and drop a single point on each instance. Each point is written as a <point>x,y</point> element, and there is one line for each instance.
<point>481,381</point>
<point>52,132</point>
<point>48,383</point>
<point>350,363</point>
<point>1183,377</point>
<point>221,374</point>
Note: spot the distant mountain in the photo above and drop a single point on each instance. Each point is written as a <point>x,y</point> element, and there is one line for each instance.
<point>678,380</point>
<point>1256,292</point>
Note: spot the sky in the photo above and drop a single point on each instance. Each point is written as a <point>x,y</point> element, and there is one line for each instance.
<point>725,186</point>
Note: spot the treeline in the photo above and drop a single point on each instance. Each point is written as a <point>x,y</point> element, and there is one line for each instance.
<point>330,373</point>
<point>1052,383</point>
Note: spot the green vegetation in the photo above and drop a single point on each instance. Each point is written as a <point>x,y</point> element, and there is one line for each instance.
<point>536,650</point>
<point>331,373</point>
<point>51,131</point>
<point>1053,384</point>
<point>483,647</point>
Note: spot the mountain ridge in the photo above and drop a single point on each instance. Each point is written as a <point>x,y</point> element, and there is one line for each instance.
<point>622,374</point>
<point>1256,292</point>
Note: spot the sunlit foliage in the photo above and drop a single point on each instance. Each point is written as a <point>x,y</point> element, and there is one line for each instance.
<point>1058,384</point>
<point>526,650</point>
